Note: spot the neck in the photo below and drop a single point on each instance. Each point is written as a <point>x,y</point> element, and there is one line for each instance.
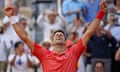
<point>20,53</point>
<point>51,22</point>
<point>59,49</point>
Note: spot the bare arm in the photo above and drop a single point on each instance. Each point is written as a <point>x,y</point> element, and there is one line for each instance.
<point>23,35</point>
<point>90,31</point>
<point>93,26</point>
<point>29,62</point>
<point>9,11</point>
<point>117,56</point>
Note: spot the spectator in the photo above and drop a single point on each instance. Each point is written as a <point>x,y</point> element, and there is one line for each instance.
<point>46,44</point>
<point>99,66</point>
<point>77,25</point>
<point>4,48</point>
<point>20,61</point>
<point>49,21</point>
<point>100,47</point>
<point>61,58</point>
<point>9,30</point>
<point>114,28</point>
<point>91,7</point>
<point>23,21</point>
<point>110,6</point>
<point>70,8</point>
<point>117,11</point>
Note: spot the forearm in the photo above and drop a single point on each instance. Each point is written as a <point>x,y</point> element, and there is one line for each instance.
<point>40,19</point>
<point>20,31</point>
<point>90,31</point>
<point>93,27</point>
<point>13,60</point>
<point>29,63</point>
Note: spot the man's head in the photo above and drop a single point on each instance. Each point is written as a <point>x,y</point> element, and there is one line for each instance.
<point>58,37</point>
<point>100,28</point>
<point>23,22</point>
<point>51,16</point>
<point>19,46</point>
<point>117,2</point>
<point>99,66</point>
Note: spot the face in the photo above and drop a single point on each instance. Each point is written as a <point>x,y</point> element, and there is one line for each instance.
<point>73,35</point>
<point>20,48</point>
<point>118,2</point>
<point>100,28</point>
<point>99,67</point>
<point>24,23</point>
<point>51,17</point>
<point>59,38</point>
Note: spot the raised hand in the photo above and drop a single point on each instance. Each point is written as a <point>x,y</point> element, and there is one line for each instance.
<point>103,6</point>
<point>9,10</point>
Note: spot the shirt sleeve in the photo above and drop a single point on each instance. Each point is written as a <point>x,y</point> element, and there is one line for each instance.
<point>65,8</point>
<point>79,48</point>
<point>40,21</point>
<point>39,51</point>
<point>10,57</point>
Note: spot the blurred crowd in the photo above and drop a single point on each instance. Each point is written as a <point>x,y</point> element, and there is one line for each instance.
<point>76,17</point>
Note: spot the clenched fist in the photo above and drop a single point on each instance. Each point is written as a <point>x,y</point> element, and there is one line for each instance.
<point>103,6</point>
<point>9,10</point>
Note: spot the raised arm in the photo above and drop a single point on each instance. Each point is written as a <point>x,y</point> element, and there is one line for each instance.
<point>9,11</point>
<point>94,25</point>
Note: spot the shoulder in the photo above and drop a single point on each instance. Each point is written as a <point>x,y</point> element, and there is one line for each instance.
<point>11,56</point>
<point>66,2</point>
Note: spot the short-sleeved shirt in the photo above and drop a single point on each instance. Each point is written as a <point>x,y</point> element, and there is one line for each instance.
<point>70,5</point>
<point>65,62</point>
<point>20,63</point>
<point>100,46</point>
<point>91,9</point>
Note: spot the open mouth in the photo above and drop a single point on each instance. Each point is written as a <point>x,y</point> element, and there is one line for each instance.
<point>59,39</point>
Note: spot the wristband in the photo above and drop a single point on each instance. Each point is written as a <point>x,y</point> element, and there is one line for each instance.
<point>14,19</point>
<point>100,15</point>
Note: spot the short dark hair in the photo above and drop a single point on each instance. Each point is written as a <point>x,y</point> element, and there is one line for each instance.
<point>17,44</point>
<point>59,30</point>
<point>22,19</point>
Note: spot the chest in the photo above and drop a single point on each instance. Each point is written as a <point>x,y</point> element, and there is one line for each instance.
<point>21,60</point>
<point>63,63</point>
